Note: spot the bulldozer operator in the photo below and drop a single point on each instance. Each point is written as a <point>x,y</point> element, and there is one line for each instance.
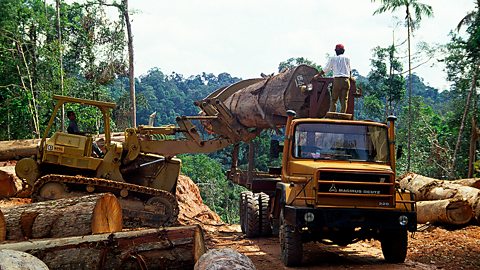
<point>73,129</point>
<point>340,65</point>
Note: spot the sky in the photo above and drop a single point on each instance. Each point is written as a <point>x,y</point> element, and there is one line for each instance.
<point>247,37</point>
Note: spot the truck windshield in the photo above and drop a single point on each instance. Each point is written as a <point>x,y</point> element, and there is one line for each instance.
<point>341,142</point>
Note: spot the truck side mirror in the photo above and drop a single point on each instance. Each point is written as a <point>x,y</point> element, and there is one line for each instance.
<point>399,151</point>
<point>275,148</point>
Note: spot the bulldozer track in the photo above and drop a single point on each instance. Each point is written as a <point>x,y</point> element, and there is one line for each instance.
<point>139,192</point>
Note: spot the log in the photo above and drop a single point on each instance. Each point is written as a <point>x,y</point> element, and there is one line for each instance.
<point>225,258</point>
<point>98,213</point>
<point>11,185</point>
<point>469,182</point>
<point>264,104</point>
<point>164,248</point>
<point>3,227</point>
<point>448,211</point>
<point>17,149</point>
<point>427,189</point>
<point>12,259</point>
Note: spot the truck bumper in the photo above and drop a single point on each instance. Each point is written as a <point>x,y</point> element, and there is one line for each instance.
<point>347,218</point>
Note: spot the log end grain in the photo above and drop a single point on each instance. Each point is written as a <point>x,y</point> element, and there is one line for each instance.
<point>12,259</point>
<point>7,185</point>
<point>107,215</point>
<point>225,258</point>
<point>459,212</point>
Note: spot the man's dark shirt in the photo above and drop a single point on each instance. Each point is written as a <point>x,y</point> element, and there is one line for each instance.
<point>73,128</point>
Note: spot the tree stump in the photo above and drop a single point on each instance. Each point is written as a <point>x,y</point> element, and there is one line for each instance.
<point>164,248</point>
<point>448,211</point>
<point>98,213</point>
<point>225,258</point>
<point>12,259</point>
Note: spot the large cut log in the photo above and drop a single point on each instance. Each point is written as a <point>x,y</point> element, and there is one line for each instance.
<point>264,104</point>
<point>225,258</point>
<point>17,149</point>
<point>98,213</point>
<point>164,248</point>
<point>469,182</point>
<point>11,185</point>
<point>3,227</point>
<point>427,189</point>
<point>448,211</point>
<point>12,259</point>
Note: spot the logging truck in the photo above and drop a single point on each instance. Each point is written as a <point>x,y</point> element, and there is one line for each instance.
<point>336,183</point>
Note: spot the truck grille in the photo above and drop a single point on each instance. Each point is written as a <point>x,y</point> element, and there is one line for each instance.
<point>355,189</point>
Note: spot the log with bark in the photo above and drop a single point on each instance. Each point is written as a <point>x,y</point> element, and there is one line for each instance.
<point>264,104</point>
<point>3,227</point>
<point>427,189</point>
<point>11,185</point>
<point>225,258</point>
<point>448,211</point>
<point>18,149</point>
<point>12,259</point>
<point>164,248</point>
<point>98,213</point>
<point>469,182</point>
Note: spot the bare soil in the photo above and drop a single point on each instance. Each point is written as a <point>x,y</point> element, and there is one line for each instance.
<point>432,247</point>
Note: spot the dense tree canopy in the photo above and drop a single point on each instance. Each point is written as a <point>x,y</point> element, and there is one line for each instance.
<point>93,52</point>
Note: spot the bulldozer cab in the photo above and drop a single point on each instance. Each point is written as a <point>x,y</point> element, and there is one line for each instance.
<point>73,150</point>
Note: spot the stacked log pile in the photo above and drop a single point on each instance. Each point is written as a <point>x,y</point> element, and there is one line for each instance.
<point>442,201</point>
<point>86,233</point>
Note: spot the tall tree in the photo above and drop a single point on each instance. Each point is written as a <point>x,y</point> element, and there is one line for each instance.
<point>472,22</point>
<point>412,22</point>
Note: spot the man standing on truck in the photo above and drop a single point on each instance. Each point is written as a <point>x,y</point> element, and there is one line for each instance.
<point>340,65</point>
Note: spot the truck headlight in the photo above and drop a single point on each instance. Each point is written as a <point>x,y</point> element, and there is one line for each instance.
<point>403,220</point>
<point>309,217</point>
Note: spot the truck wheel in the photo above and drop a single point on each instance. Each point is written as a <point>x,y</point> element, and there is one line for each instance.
<point>290,243</point>
<point>252,213</point>
<point>243,209</point>
<point>263,203</point>
<point>394,245</point>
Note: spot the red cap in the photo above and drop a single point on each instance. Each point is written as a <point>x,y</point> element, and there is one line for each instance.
<point>339,47</point>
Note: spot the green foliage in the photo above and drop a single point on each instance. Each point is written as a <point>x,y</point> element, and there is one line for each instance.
<point>218,193</point>
<point>295,61</point>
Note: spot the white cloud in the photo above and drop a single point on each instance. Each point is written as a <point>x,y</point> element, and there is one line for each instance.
<point>245,38</point>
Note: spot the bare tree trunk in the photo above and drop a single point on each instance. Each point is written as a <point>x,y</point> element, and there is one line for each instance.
<point>462,123</point>
<point>409,91</point>
<point>60,51</point>
<point>131,74</point>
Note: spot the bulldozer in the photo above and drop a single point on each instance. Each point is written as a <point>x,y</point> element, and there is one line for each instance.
<point>142,171</point>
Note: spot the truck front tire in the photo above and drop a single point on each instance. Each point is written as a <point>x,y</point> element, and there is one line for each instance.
<point>394,245</point>
<point>263,203</point>
<point>252,214</point>
<point>243,209</point>
<point>290,243</point>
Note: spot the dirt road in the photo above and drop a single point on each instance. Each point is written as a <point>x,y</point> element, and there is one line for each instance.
<point>426,251</point>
